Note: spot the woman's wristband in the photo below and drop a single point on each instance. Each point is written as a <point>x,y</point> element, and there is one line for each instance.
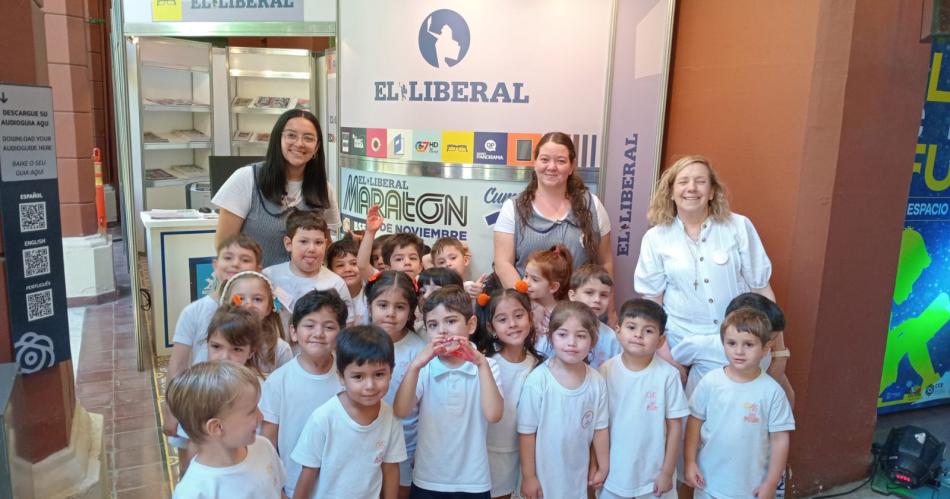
<point>782,353</point>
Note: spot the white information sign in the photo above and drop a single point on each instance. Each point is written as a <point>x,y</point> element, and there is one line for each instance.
<point>27,143</point>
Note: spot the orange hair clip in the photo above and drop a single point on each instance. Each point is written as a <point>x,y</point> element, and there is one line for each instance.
<point>236,300</point>
<point>483,299</point>
<point>521,286</point>
<point>374,276</point>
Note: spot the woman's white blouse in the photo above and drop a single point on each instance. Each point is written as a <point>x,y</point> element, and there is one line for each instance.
<point>699,279</point>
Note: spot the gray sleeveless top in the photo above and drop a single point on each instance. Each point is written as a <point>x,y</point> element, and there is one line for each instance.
<point>266,223</point>
<point>539,233</point>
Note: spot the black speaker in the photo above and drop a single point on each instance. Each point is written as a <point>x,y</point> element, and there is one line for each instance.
<point>912,457</point>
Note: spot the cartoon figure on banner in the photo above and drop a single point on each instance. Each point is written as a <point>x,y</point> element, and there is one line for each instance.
<point>446,46</point>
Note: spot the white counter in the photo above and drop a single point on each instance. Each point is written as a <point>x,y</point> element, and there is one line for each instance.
<point>180,252</point>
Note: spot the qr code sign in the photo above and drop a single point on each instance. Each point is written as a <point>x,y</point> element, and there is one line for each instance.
<point>36,261</point>
<point>33,216</point>
<point>39,305</point>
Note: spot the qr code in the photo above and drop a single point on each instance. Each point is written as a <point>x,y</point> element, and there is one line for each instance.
<point>35,261</point>
<point>33,216</point>
<point>39,305</point>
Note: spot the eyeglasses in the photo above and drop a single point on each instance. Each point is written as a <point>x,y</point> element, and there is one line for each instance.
<point>292,136</point>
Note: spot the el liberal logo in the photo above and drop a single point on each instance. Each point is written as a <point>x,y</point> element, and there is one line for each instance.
<point>444,38</point>
<point>444,41</point>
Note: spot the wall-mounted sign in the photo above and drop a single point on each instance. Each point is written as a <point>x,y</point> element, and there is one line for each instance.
<point>227,10</point>
<point>32,240</point>
<point>463,79</point>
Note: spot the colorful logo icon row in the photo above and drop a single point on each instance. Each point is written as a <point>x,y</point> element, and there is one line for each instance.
<point>446,146</point>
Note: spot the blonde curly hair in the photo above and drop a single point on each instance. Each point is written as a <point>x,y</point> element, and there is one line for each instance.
<point>662,209</point>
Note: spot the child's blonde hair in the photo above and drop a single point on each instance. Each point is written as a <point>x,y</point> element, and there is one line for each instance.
<point>448,242</point>
<point>272,328</point>
<point>239,327</point>
<point>574,309</point>
<point>203,391</point>
<point>555,264</point>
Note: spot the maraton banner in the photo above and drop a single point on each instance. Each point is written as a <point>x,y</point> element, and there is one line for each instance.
<point>422,206</point>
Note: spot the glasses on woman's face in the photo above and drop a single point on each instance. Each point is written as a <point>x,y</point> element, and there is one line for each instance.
<point>292,136</point>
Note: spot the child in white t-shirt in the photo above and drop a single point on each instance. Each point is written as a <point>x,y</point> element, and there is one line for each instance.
<point>341,259</point>
<point>254,291</point>
<point>402,251</point>
<point>391,297</point>
<point>647,407</point>
<point>563,410</point>
<point>506,335</point>
<point>216,403</point>
<point>456,390</point>
<point>297,388</point>
<point>306,241</point>
<point>235,254</point>
<point>704,353</point>
<point>737,436</point>
<point>352,445</point>
<point>593,286</point>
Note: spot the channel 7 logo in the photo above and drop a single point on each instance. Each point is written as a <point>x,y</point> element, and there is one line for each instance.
<point>427,146</point>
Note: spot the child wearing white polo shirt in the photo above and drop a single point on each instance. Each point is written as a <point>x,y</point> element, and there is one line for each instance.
<point>737,436</point>
<point>352,445</point>
<point>296,389</point>
<point>456,389</point>
<point>647,407</point>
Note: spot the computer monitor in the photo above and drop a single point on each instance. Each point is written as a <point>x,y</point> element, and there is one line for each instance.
<point>223,166</point>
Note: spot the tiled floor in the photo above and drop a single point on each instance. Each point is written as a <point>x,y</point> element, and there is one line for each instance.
<point>109,383</point>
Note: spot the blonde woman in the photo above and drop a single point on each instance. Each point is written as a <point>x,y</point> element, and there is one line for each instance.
<point>698,255</point>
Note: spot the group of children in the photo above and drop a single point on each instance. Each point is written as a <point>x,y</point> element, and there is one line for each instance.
<point>369,375</point>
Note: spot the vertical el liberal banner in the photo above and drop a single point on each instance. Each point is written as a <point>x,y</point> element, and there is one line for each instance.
<point>916,369</point>
<point>32,239</point>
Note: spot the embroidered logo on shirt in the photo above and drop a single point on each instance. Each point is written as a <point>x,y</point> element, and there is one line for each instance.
<point>651,401</point>
<point>752,415</point>
<point>587,419</point>
<point>379,458</point>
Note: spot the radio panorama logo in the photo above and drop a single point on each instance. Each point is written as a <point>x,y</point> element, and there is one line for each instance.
<point>444,38</point>
<point>427,146</point>
<point>490,145</point>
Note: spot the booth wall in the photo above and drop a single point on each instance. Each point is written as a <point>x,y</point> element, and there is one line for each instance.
<point>809,111</point>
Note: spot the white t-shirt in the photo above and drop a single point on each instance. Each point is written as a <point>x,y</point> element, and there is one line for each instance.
<point>452,453</point>
<point>734,439</point>
<point>640,403</point>
<point>506,217</point>
<point>360,309</point>
<point>699,279</point>
<point>405,350</point>
<point>503,435</point>
<point>236,192</point>
<point>606,348</point>
<point>349,454</point>
<point>289,396</point>
<point>192,327</point>
<point>564,421</point>
<point>703,353</point>
<point>294,286</point>
<point>259,476</point>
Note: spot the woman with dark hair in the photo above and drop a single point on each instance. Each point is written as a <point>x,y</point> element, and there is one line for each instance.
<point>256,198</point>
<point>555,208</point>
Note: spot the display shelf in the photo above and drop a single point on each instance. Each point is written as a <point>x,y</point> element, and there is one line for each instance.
<point>193,108</point>
<point>257,110</point>
<point>170,146</point>
<point>174,181</point>
<point>176,67</point>
<point>263,84</point>
<point>280,75</point>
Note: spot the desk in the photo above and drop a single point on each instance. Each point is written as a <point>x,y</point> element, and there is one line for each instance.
<point>180,252</point>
